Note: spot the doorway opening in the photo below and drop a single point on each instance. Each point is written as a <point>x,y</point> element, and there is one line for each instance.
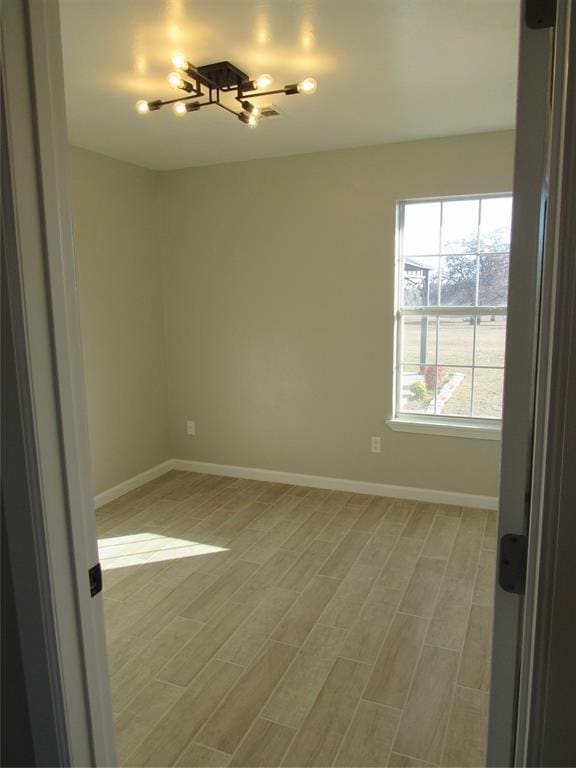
<point>293,344</point>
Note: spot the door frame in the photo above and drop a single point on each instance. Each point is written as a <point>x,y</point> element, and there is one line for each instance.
<point>531,720</point>
<point>48,504</point>
<point>519,414</point>
<point>44,301</point>
<point>548,672</point>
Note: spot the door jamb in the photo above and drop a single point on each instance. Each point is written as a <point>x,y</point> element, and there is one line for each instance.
<point>545,734</point>
<point>526,258</point>
<point>42,257</point>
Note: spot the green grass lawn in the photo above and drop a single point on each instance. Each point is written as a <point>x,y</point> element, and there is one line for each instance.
<point>456,355</point>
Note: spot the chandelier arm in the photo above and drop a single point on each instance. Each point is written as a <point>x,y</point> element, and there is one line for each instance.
<point>223,106</point>
<point>181,98</point>
<point>244,95</point>
<point>217,102</point>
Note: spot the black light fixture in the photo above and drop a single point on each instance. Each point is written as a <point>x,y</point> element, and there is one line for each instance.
<point>219,78</point>
<point>182,108</point>
<point>251,109</point>
<point>247,119</point>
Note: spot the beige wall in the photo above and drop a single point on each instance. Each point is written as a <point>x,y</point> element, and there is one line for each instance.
<point>119,273</point>
<point>279,290</point>
<point>275,328</point>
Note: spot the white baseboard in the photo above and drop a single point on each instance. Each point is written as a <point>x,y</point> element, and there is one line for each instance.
<point>134,482</point>
<point>292,478</point>
<point>338,484</point>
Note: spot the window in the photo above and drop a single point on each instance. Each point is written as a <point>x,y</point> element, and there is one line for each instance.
<point>452,277</point>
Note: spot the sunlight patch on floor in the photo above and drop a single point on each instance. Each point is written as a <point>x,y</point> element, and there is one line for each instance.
<point>123,551</point>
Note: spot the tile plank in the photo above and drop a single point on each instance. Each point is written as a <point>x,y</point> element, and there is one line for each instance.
<point>491,531</point>
<point>475,667</point>
<point>400,565</point>
<point>306,566</point>
<point>146,709</point>
<point>191,659</point>
<point>226,728</point>
<point>464,557</point>
<point>442,536</point>
<point>296,625</point>
<point>211,599</point>
<point>422,591</point>
<point>323,730</point>
<point>420,521</point>
<point>310,528</point>
<point>392,673</point>
<point>264,745</point>
<point>345,606</point>
<point>467,729</point>
<point>370,736</point>
<point>325,641</point>
<point>197,756</point>
<point>340,562</point>
<point>372,514</point>
<point>141,668</point>
<point>397,760</point>
<point>296,692</point>
<point>367,634</point>
<point>168,739</point>
<point>425,717</point>
<point>450,619</point>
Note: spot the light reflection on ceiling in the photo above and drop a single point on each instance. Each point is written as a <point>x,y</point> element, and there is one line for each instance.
<point>387,70</point>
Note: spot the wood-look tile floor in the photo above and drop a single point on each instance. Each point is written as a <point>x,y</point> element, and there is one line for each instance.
<point>257,624</point>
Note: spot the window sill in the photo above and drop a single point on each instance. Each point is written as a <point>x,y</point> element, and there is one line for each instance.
<point>446,428</point>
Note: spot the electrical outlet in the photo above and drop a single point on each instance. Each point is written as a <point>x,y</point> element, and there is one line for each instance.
<point>190,427</point>
<point>376,444</point>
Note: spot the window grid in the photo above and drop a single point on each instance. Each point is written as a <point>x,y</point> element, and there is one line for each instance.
<point>437,310</point>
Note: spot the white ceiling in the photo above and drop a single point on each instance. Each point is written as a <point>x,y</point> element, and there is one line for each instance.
<point>387,70</point>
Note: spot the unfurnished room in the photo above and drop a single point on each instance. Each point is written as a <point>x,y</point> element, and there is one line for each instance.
<point>295,246</point>
<point>293,316</point>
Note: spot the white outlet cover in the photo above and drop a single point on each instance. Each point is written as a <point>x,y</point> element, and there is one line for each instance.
<point>376,444</point>
<point>190,427</point>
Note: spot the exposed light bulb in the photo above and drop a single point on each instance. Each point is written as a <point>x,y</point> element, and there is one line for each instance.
<point>252,109</point>
<point>307,86</point>
<point>142,107</point>
<point>175,80</point>
<point>180,61</point>
<point>264,81</point>
<point>179,108</point>
<point>250,120</point>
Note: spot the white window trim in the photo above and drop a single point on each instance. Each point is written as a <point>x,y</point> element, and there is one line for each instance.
<point>448,426</point>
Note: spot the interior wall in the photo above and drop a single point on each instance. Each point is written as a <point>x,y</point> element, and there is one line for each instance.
<point>279,307</point>
<point>115,212</point>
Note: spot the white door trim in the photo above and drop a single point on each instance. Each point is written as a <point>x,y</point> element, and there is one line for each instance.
<point>518,424</point>
<point>548,673</point>
<point>46,296</point>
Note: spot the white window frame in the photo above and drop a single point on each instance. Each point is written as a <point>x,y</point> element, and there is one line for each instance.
<point>461,426</point>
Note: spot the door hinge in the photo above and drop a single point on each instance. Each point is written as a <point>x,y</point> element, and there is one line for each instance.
<point>95,578</point>
<point>512,563</point>
<point>540,14</point>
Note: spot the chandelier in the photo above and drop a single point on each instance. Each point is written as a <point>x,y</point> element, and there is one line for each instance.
<point>203,87</point>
